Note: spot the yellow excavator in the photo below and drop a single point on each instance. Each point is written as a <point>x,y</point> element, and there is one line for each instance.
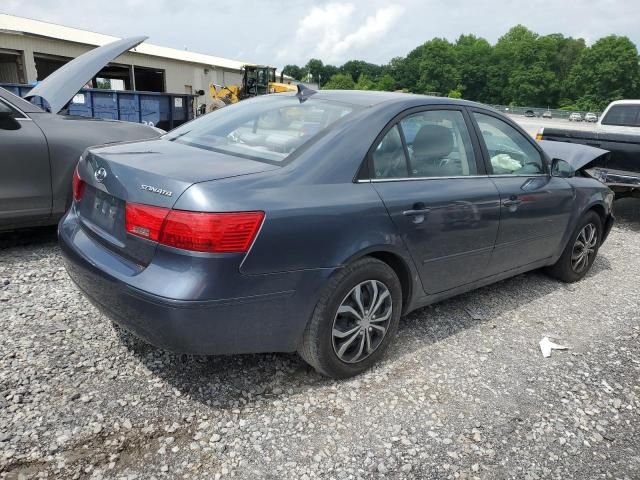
<point>256,80</point>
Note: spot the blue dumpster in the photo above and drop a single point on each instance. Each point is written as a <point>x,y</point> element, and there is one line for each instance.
<point>163,110</point>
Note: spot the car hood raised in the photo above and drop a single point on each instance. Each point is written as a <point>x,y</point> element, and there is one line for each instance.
<point>577,155</point>
<point>60,87</point>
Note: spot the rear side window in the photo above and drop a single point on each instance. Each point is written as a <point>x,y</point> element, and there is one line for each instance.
<point>265,129</point>
<point>623,116</point>
<point>5,107</point>
<point>389,160</point>
<point>437,142</point>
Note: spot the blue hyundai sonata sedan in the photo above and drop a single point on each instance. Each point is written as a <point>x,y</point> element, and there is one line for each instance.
<point>312,222</point>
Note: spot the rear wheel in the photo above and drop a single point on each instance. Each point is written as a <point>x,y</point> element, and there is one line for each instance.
<point>354,321</point>
<point>581,250</point>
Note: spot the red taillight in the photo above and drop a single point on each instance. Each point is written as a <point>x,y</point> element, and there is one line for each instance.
<point>78,186</point>
<point>144,220</point>
<point>211,232</point>
<point>195,231</point>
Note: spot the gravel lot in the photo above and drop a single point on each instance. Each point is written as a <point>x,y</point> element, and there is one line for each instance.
<point>463,393</point>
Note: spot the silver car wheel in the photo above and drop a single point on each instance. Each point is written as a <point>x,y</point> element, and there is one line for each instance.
<point>584,248</point>
<point>362,321</point>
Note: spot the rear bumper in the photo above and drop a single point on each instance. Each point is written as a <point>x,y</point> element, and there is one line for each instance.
<point>266,322</point>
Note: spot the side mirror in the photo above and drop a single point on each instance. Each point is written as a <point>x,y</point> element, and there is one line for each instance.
<point>561,168</point>
<point>200,92</point>
<point>7,122</point>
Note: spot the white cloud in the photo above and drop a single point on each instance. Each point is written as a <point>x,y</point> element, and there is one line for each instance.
<point>331,32</point>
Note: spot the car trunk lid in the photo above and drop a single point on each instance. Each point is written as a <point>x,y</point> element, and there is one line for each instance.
<point>153,173</point>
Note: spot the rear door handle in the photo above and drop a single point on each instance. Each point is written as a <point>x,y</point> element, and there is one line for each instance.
<point>418,208</point>
<point>418,211</point>
<point>512,202</point>
<point>594,144</point>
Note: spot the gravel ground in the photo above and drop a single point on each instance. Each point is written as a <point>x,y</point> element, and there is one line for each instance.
<point>463,393</point>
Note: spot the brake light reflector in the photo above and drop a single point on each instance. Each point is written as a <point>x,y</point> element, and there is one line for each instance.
<point>211,232</point>
<point>232,232</point>
<point>144,220</point>
<point>78,186</point>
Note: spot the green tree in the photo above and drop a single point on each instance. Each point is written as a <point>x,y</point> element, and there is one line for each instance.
<point>473,57</point>
<point>520,72</point>
<point>340,81</point>
<point>522,68</point>
<point>294,71</point>
<point>365,83</point>
<point>437,67</point>
<point>562,54</point>
<point>606,71</point>
<point>356,68</point>
<point>103,83</point>
<point>328,71</point>
<point>315,68</point>
<point>386,83</point>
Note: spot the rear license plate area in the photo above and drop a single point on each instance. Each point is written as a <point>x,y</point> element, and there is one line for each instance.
<point>106,211</point>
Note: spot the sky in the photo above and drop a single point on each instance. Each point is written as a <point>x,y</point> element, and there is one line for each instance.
<point>292,31</point>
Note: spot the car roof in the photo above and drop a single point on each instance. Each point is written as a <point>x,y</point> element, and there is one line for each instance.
<point>625,102</point>
<point>369,98</point>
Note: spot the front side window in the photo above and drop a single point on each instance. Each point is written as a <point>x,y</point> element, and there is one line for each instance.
<point>509,151</point>
<point>268,129</point>
<point>623,116</point>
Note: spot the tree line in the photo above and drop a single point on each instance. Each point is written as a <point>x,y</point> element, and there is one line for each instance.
<point>522,68</point>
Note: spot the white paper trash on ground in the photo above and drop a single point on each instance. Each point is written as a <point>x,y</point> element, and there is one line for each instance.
<point>547,345</point>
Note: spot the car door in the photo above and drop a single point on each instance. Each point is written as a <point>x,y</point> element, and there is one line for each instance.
<point>535,207</point>
<point>25,178</point>
<point>427,169</point>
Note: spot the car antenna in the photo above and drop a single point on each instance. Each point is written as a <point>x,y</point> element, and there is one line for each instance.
<point>304,92</point>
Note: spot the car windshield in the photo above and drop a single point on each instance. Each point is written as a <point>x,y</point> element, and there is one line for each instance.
<point>267,129</point>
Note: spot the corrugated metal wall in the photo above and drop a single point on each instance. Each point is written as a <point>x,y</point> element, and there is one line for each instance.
<point>178,75</point>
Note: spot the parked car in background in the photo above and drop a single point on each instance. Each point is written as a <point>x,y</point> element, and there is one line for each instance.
<point>529,113</point>
<point>547,114</point>
<point>591,117</point>
<point>617,131</point>
<point>39,149</point>
<point>575,117</point>
<point>311,222</point>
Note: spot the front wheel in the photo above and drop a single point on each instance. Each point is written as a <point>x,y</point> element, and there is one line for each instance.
<point>354,321</point>
<point>581,250</point>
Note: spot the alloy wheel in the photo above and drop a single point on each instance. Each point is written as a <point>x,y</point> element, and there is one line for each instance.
<point>584,248</point>
<point>362,321</point>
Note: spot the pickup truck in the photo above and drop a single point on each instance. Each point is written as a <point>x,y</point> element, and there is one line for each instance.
<point>617,131</point>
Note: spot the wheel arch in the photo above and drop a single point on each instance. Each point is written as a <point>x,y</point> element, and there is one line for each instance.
<point>600,210</point>
<point>398,262</point>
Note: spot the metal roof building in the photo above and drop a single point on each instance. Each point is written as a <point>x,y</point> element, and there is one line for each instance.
<point>31,49</point>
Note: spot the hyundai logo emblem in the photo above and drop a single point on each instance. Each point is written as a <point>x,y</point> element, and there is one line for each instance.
<point>100,174</point>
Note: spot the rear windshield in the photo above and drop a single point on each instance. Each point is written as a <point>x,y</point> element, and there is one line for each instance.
<point>623,116</point>
<point>267,129</point>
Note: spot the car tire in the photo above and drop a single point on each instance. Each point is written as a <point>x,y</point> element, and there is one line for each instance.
<point>581,250</point>
<point>323,346</point>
